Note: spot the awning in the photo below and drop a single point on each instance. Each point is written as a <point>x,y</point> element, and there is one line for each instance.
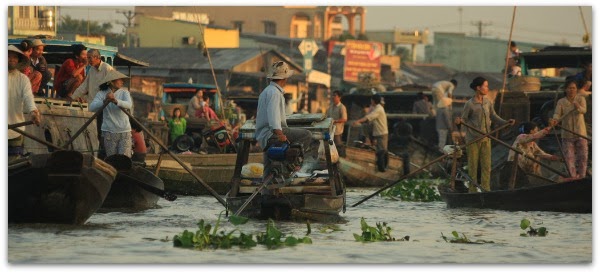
<point>319,77</point>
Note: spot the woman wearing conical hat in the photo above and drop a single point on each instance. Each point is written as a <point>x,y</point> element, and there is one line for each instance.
<point>116,129</point>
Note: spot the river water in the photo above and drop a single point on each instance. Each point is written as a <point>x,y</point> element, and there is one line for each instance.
<point>146,237</point>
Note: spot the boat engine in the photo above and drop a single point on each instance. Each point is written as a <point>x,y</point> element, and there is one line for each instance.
<point>287,158</point>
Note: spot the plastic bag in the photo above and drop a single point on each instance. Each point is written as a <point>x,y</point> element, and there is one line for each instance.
<point>332,150</point>
<point>252,170</point>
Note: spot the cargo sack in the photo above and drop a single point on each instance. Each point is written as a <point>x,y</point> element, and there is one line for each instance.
<point>332,150</point>
<point>252,170</point>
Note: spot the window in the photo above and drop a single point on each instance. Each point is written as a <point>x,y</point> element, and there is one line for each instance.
<point>238,25</point>
<point>24,12</point>
<point>270,27</point>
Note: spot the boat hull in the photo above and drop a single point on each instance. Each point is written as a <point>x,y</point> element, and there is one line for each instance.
<point>215,170</point>
<point>42,192</point>
<point>575,197</point>
<point>298,207</point>
<point>359,169</point>
<point>127,192</point>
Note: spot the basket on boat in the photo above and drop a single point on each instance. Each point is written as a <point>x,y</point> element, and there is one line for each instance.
<point>524,84</point>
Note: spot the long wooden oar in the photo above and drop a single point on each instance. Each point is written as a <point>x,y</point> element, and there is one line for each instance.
<point>427,165</point>
<point>85,125</point>
<point>517,151</point>
<point>37,139</point>
<point>162,193</point>
<point>20,124</point>
<point>577,134</point>
<point>270,178</point>
<point>165,148</point>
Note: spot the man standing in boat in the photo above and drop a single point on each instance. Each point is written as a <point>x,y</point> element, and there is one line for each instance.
<point>378,119</point>
<point>271,125</point>
<point>479,113</point>
<point>337,111</point>
<point>20,100</point>
<point>91,85</point>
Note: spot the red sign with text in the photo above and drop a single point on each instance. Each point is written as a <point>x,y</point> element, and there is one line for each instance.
<point>362,56</point>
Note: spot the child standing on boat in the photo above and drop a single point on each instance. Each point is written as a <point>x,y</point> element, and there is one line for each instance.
<point>177,124</point>
<point>116,129</point>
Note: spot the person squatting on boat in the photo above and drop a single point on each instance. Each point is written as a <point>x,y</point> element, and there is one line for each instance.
<point>570,110</point>
<point>72,72</point>
<point>116,129</point>
<point>526,143</point>
<point>479,113</point>
<point>195,104</point>
<point>271,125</point>
<point>20,100</point>
<point>35,77</point>
<point>378,120</point>
<point>39,63</point>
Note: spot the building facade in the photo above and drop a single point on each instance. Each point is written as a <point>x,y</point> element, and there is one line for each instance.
<point>317,22</point>
<point>26,21</point>
<point>472,54</point>
<point>179,32</point>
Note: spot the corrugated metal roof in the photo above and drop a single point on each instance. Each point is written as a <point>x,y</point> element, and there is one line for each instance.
<point>192,58</point>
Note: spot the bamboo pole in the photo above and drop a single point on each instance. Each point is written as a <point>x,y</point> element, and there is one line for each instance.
<point>37,139</point>
<point>572,132</point>
<point>517,151</point>
<point>165,148</point>
<point>86,124</point>
<point>512,24</point>
<point>17,125</point>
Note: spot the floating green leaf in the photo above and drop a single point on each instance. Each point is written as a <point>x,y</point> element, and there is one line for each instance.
<point>381,232</point>
<point>238,220</point>
<point>418,190</point>
<point>541,231</point>
<point>457,239</point>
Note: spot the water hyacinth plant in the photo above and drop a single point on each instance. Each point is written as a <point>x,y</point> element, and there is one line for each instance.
<point>381,232</point>
<point>457,239</point>
<point>207,237</point>
<point>417,190</point>
<point>541,231</point>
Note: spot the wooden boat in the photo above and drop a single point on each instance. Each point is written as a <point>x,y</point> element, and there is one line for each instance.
<point>64,187</point>
<point>59,186</point>
<point>359,168</point>
<point>131,190</point>
<point>574,196</point>
<point>215,169</point>
<point>319,198</point>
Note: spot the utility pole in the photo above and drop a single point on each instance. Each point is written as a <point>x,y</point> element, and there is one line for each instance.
<point>480,25</point>
<point>460,10</point>
<point>129,15</point>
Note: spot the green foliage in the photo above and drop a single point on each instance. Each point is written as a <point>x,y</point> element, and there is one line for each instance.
<point>274,238</point>
<point>71,25</point>
<point>457,239</point>
<point>417,190</point>
<point>541,231</point>
<point>381,232</point>
<point>207,237</point>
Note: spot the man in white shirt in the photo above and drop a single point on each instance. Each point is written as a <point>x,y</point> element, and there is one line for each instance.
<point>98,71</point>
<point>20,100</point>
<point>378,119</point>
